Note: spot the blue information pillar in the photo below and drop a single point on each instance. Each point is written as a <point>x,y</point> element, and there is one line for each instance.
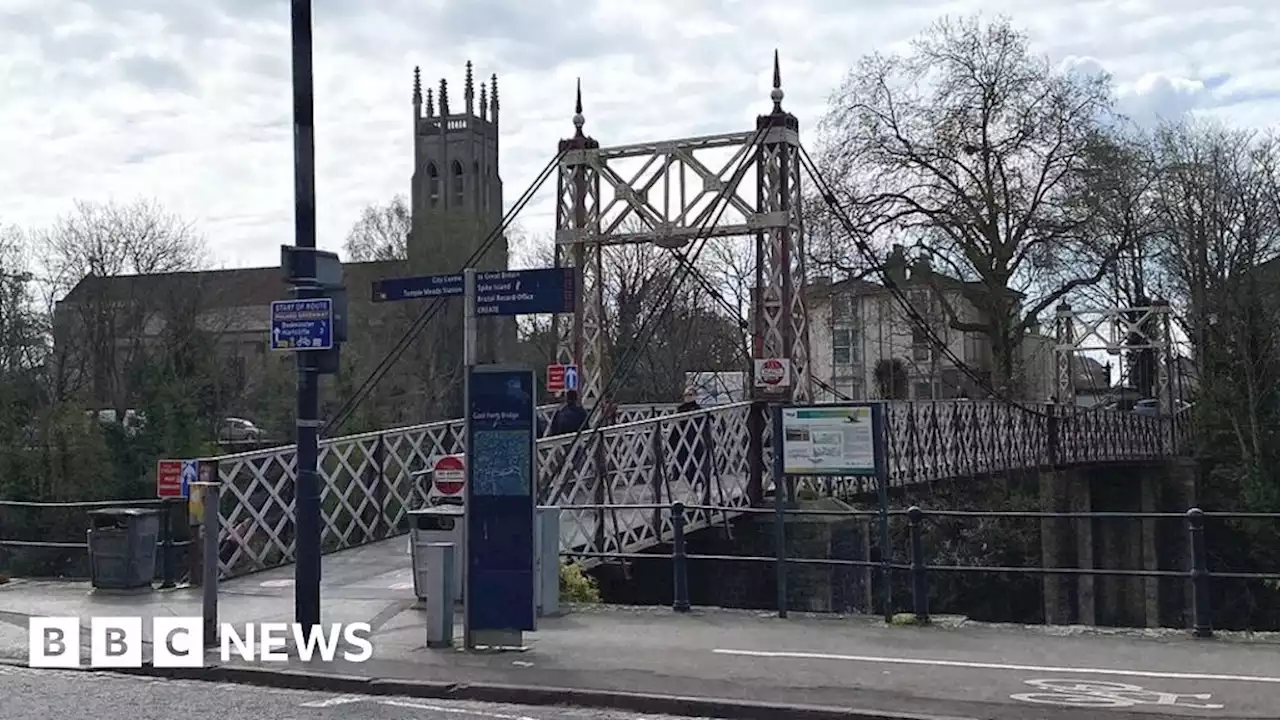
<point>500,504</point>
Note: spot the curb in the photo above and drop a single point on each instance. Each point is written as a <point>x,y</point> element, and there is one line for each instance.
<point>647,704</point>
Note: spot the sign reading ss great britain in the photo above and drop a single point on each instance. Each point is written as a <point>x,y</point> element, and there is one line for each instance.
<point>525,292</point>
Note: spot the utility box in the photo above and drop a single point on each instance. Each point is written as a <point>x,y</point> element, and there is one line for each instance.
<point>432,525</point>
<point>122,548</point>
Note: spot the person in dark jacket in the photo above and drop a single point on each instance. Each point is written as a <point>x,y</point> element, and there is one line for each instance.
<point>569,417</point>
<point>687,442</point>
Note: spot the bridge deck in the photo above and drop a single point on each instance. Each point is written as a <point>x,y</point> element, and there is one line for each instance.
<point>651,456</point>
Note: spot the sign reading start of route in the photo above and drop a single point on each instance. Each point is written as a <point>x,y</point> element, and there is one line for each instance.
<point>526,292</point>
<point>832,440</point>
<point>302,324</point>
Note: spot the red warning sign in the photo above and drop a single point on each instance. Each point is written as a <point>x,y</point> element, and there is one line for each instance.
<point>450,474</point>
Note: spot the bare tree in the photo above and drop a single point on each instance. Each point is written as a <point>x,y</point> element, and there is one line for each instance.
<point>94,257</point>
<point>976,151</point>
<point>1219,212</point>
<point>381,233</point>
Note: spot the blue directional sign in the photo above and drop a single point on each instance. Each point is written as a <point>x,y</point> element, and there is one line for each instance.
<point>526,292</point>
<point>302,324</point>
<point>571,377</point>
<point>501,489</point>
<point>413,288</point>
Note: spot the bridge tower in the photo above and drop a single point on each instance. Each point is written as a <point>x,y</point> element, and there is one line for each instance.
<point>671,194</point>
<point>1144,331</point>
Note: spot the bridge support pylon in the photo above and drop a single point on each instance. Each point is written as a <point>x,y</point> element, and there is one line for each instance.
<point>676,191</point>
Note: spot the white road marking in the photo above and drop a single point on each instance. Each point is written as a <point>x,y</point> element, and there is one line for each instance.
<point>1001,666</point>
<point>333,702</point>
<point>275,583</point>
<point>402,586</point>
<point>453,710</point>
<point>1071,693</point>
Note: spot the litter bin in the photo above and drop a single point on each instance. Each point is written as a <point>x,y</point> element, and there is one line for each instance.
<point>440,524</point>
<point>122,548</point>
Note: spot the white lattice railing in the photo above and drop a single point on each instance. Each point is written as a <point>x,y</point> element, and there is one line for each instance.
<point>649,455</point>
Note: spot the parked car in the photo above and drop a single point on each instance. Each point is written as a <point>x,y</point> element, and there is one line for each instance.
<point>239,430</point>
<point>1151,407</point>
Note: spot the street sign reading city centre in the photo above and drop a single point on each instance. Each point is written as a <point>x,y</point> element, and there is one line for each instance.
<point>412,288</point>
<point>302,324</point>
<point>526,292</point>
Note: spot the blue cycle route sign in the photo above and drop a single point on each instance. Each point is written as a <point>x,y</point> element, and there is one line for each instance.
<point>526,292</point>
<point>302,324</point>
<point>412,288</point>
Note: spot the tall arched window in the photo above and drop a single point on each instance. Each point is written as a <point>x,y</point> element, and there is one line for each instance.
<point>459,196</point>
<point>433,184</point>
<point>481,200</point>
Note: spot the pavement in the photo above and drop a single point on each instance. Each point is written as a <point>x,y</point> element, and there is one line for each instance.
<point>25,694</point>
<point>713,663</point>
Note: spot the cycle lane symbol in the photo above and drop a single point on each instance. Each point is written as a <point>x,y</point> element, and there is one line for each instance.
<point>1109,695</point>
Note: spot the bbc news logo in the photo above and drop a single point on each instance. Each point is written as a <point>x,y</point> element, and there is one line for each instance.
<point>116,642</point>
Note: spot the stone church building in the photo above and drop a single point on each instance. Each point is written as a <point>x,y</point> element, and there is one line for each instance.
<point>456,203</point>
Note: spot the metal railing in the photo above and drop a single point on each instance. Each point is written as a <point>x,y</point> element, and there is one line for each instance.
<point>170,563</point>
<point>650,454</point>
<point>917,565</point>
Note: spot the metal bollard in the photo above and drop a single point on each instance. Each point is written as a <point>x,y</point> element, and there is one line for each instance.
<point>1202,616</point>
<point>919,576</point>
<point>166,545</point>
<point>548,581</point>
<point>679,560</point>
<point>211,525</point>
<point>440,593</point>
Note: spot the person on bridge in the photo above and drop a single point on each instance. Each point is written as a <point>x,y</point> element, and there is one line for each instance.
<point>569,417</point>
<point>688,448</point>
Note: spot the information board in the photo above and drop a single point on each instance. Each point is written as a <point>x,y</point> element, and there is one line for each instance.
<point>843,440</point>
<point>500,497</point>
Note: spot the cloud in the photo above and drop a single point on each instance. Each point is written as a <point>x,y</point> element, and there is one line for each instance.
<point>189,101</point>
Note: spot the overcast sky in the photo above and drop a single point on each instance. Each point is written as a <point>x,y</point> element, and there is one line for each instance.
<point>188,101</point>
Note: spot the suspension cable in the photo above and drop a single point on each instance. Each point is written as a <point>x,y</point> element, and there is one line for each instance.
<point>437,304</point>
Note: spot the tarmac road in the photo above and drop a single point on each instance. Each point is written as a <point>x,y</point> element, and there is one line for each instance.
<point>27,694</point>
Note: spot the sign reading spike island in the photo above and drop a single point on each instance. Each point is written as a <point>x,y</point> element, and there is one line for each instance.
<point>844,440</point>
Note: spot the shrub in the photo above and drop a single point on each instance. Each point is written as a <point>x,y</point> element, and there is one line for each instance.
<point>576,586</point>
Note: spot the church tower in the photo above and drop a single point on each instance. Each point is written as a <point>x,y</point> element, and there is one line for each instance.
<point>456,191</point>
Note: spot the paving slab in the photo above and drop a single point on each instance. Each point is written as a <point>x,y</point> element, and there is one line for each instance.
<point>953,669</point>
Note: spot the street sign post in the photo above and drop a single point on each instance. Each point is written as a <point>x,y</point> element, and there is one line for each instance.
<point>526,292</point>
<point>302,324</point>
<point>413,288</point>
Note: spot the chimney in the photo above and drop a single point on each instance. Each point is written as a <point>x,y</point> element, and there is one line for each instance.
<point>895,266</point>
<point>921,268</point>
